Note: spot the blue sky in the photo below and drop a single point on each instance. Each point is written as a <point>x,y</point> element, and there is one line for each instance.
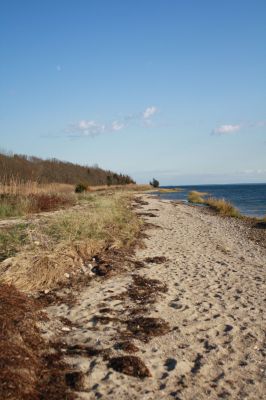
<point>165,88</point>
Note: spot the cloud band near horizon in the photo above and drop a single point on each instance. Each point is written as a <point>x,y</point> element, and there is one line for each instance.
<point>92,128</point>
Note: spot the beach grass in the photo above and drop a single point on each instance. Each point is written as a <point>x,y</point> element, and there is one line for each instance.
<point>196,197</point>
<point>19,199</point>
<point>47,249</point>
<point>22,198</point>
<point>169,190</point>
<point>12,240</point>
<point>222,207</point>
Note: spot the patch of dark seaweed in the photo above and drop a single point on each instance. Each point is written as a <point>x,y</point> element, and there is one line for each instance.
<point>144,328</point>
<point>126,346</point>
<point>75,380</point>
<point>102,319</point>
<point>155,260</point>
<point>145,290</point>
<point>139,264</point>
<point>88,351</point>
<point>137,311</point>
<point>150,225</point>
<point>105,310</point>
<point>129,365</point>
<point>120,296</point>
<point>147,214</point>
<point>102,270</point>
<point>141,202</point>
<point>80,349</point>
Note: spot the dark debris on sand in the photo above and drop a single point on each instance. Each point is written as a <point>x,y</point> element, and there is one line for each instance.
<point>144,290</point>
<point>28,369</point>
<point>129,365</point>
<point>147,214</point>
<point>155,260</point>
<point>126,346</point>
<point>145,328</point>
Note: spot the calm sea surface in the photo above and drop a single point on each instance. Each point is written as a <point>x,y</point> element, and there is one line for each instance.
<point>250,199</point>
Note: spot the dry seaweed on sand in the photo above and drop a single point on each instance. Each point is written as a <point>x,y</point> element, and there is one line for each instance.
<point>126,346</point>
<point>137,200</point>
<point>27,368</point>
<point>155,260</point>
<point>144,290</point>
<point>147,214</point>
<point>81,349</point>
<point>75,380</point>
<point>144,328</point>
<point>129,365</point>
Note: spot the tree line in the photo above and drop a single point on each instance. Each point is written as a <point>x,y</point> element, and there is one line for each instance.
<point>29,168</point>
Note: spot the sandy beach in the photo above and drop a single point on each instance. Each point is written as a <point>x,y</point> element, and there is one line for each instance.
<point>183,319</point>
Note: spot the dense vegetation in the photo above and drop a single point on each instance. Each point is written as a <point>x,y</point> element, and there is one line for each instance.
<point>155,183</point>
<point>28,168</point>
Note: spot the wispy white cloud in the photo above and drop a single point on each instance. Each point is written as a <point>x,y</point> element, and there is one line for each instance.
<point>117,126</point>
<point>91,128</point>
<point>226,129</point>
<point>58,68</point>
<point>149,112</point>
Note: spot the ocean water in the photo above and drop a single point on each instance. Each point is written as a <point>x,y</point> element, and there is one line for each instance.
<point>250,199</point>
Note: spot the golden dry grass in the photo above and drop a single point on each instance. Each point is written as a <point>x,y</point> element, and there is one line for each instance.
<point>223,207</point>
<point>196,197</point>
<point>128,187</point>
<point>166,190</point>
<point>16,187</point>
<point>65,241</point>
<point>22,198</point>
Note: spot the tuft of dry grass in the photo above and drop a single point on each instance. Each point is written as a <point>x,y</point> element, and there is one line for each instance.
<point>168,190</point>
<point>196,197</point>
<point>223,207</point>
<point>66,241</point>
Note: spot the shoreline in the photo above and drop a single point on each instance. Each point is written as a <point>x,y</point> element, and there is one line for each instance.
<point>253,227</point>
<point>179,318</point>
<point>186,315</point>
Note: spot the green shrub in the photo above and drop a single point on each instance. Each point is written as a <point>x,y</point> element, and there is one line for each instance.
<point>80,187</point>
<point>154,183</point>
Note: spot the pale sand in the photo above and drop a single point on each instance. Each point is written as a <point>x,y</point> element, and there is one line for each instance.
<point>214,306</point>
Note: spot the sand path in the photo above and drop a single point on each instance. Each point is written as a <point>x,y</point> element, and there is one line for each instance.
<point>206,338</point>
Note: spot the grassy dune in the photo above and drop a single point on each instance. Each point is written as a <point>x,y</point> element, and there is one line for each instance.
<point>43,251</point>
<point>19,199</point>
